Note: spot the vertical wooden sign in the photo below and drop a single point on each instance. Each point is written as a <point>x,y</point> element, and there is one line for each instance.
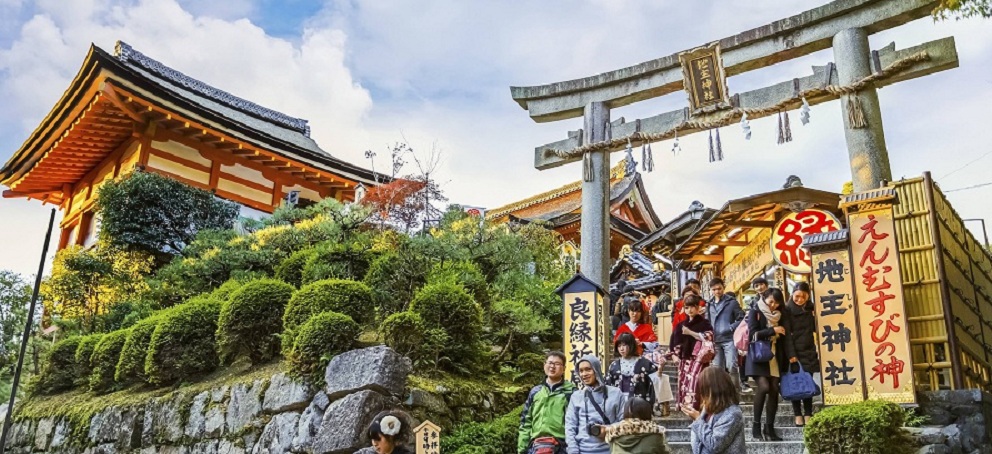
<point>428,437</point>
<point>882,320</point>
<point>837,327</point>
<point>586,323</point>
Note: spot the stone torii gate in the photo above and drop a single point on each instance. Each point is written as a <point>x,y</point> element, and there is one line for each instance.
<point>843,25</point>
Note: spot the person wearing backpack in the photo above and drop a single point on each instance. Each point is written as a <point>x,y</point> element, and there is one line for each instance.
<point>595,405</point>
<point>803,322</point>
<point>542,421</point>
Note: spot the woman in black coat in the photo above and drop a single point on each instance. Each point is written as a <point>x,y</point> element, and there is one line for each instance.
<point>804,348</point>
<point>767,321</point>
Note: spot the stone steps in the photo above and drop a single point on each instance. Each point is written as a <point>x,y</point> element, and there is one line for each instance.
<point>758,447</point>
<point>787,433</point>
<point>682,422</point>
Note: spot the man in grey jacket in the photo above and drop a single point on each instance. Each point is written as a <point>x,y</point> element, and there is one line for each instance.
<point>582,413</point>
<point>724,314</point>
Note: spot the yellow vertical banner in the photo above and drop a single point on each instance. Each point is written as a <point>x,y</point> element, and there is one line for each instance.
<point>583,330</point>
<point>882,322</point>
<point>837,327</point>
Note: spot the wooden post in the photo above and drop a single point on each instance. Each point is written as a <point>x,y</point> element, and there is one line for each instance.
<point>428,438</point>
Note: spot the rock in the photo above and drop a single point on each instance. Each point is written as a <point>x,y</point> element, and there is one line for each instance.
<point>377,368</point>
<point>286,394</point>
<point>345,421</point>
<point>927,435</point>
<point>163,424</point>
<point>21,434</point>
<point>196,422</point>
<point>277,438</point>
<point>309,423</point>
<point>244,405</point>
<point>430,402</point>
<point>61,435</point>
<point>934,449</point>
<point>226,447</point>
<point>213,421</point>
<point>42,435</point>
<point>218,394</point>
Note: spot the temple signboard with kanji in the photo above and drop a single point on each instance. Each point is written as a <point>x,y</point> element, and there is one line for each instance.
<point>587,327</point>
<point>787,237</point>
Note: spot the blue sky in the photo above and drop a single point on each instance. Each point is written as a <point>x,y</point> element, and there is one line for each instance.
<point>436,73</point>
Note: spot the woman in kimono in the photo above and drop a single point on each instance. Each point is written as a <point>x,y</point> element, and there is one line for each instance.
<point>630,372</point>
<point>639,326</point>
<point>695,328</point>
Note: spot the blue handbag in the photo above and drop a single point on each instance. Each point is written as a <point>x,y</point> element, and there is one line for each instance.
<point>760,351</point>
<point>798,385</point>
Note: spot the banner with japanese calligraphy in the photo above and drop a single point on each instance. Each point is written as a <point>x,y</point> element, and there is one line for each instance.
<point>584,330</point>
<point>749,262</point>
<point>837,327</point>
<point>787,237</point>
<point>882,310</point>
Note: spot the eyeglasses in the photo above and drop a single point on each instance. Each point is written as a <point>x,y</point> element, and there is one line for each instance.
<point>554,364</point>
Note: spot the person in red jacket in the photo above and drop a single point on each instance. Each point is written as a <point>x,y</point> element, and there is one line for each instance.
<point>639,326</point>
<point>678,313</point>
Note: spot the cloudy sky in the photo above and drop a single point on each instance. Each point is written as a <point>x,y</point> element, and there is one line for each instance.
<point>437,74</point>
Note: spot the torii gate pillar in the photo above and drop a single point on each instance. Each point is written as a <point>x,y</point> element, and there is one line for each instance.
<point>595,233</point>
<point>866,145</point>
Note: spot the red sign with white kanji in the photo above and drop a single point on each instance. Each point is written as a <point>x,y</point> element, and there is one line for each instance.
<point>884,330</point>
<point>787,237</point>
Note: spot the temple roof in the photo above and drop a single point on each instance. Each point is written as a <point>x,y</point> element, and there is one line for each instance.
<point>135,88</point>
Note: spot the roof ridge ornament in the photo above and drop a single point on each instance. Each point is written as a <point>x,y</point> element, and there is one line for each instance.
<point>130,56</point>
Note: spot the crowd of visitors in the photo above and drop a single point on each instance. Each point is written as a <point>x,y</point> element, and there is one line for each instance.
<point>718,345</point>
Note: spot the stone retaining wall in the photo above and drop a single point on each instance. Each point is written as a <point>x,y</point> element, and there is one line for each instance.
<point>275,415</point>
<point>958,422</point>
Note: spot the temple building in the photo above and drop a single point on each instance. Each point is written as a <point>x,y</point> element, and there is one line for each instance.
<point>125,112</point>
<point>631,214</point>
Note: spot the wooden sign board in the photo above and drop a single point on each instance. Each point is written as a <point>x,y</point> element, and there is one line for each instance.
<point>704,78</point>
<point>428,438</point>
<point>787,237</point>
<point>749,262</point>
<point>586,323</point>
<point>837,328</point>
<point>882,309</point>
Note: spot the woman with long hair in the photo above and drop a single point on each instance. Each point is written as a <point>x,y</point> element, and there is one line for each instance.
<point>390,432</point>
<point>718,428</point>
<point>686,335</point>
<point>639,326</point>
<point>767,323</point>
<point>629,371</point>
<point>802,338</point>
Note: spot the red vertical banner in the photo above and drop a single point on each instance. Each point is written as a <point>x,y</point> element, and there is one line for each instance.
<point>884,330</point>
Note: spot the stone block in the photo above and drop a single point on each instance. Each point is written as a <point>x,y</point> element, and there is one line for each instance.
<point>244,405</point>
<point>934,449</point>
<point>196,421</point>
<point>377,368</point>
<point>309,423</point>
<point>277,438</point>
<point>213,421</point>
<point>286,394</point>
<point>342,429</point>
<point>927,435</point>
<point>43,434</point>
<point>163,422</point>
<point>217,395</point>
<point>60,435</point>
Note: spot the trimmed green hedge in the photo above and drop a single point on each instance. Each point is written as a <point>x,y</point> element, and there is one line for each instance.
<point>59,370</point>
<point>337,261</point>
<point>290,270</point>
<point>403,332</point>
<point>450,307</point>
<point>225,290</point>
<point>251,321</point>
<point>871,427</point>
<point>84,358</point>
<point>464,273</point>
<point>394,278</point>
<point>131,364</point>
<point>351,298</point>
<point>320,338</point>
<point>183,344</point>
<point>495,437</point>
<point>106,355</point>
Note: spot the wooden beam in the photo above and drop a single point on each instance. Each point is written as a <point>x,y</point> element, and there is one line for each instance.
<point>705,258</point>
<point>111,95</point>
<point>752,224</point>
<point>10,194</point>
<point>942,55</point>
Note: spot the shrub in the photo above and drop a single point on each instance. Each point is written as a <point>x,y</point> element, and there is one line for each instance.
<point>351,298</point>
<point>871,427</point>
<point>225,290</point>
<point>251,321</point>
<point>449,308</point>
<point>319,339</point>
<point>106,355</point>
<point>84,356</point>
<point>394,278</point>
<point>403,332</point>
<point>337,261</point>
<point>183,343</point>
<point>131,364</point>
<point>495,437</point>
<point>464,273</point>
<point>59,370</point>
<point>291,268</point>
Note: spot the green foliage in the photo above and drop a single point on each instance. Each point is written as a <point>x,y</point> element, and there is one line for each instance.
<point>224,292</point>
<point>251,321</point>
<point>131,364</point>
<point>464,273</point>
<point>158,215</point>
<point>351,298</point>
<point>319,339</point>
<point>394,278</point>
<point>291,268</point>
<point>84,357</point>
<point>333,260</point>
<point>59,372</point>
<point>85,284</point>
<point>962,9</point>
<point>15,295</point>
<point>450,308</point>
<point>183,343</point>
<point>495,437</point>
<point>530,369</point>
<point>515,320</point>
<point>403,332</point>
<point>105,357</point>
<point>871,427</point>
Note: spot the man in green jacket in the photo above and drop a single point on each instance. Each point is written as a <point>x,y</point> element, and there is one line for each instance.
<point>542,422</point>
